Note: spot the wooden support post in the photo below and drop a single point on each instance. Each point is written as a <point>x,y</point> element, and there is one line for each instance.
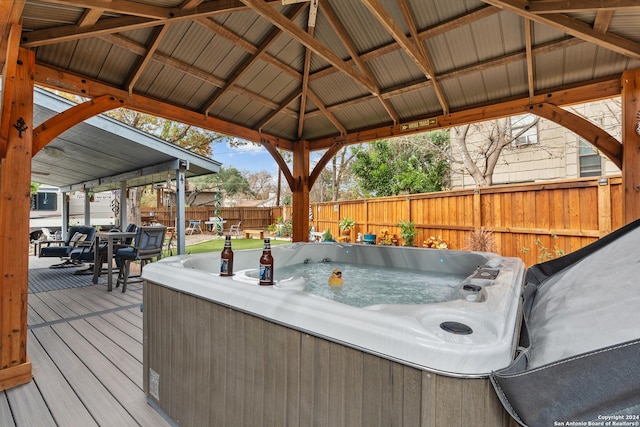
<point>15,178</point>
<point>300,192</point>
<point>631,145</point>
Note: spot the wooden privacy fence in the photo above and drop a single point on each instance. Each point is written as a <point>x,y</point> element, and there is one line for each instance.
<point>523,218</point>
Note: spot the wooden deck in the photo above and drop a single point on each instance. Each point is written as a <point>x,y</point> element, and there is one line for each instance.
<point>85,346</point>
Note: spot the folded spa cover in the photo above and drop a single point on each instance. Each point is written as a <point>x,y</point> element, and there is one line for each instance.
<point>579,356</point>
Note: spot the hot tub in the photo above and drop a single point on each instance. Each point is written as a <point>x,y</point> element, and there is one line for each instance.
<point>238,323</point>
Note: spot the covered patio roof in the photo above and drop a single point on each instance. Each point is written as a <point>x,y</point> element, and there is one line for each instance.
<point>312,75</point>
<point>101,153</point>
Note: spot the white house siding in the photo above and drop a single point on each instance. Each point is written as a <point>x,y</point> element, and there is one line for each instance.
<point>555,156</point>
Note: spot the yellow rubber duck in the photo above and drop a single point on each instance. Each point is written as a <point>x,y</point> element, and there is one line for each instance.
<point>336,277</point>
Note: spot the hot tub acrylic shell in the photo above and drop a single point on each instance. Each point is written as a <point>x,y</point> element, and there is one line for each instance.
<point>409,334</point>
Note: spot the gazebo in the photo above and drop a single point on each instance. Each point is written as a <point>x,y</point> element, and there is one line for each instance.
<point>302,76</point>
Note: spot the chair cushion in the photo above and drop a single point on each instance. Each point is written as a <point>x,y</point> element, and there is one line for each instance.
<point>77,238</point>
<point>55,251</point>
<point>126,253</point>
<point>82,254</point>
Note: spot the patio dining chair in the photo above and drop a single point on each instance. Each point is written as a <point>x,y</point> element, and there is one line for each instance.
<point>147,245</point>
<point>103,250</point>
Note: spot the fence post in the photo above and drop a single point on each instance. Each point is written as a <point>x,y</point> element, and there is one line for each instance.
<point>366,218</point>
<point>604,206</point>
<point>477,209</point>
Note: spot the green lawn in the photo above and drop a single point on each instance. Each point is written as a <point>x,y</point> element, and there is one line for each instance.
<point>236,244</point>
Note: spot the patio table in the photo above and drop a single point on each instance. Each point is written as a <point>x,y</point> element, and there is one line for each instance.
<point>110,237</point>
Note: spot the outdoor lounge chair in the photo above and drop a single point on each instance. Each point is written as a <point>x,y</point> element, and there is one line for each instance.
<point>147,245</point>
<point>76,248</point>
<point>194,227</point>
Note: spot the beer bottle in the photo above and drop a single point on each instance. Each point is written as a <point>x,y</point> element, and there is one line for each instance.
<point>266,265</point>
<point>226,258</point>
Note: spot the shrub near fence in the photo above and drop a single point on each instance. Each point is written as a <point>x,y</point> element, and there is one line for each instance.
<point>530,221</point>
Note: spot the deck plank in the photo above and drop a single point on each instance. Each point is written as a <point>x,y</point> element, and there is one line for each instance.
<point>124,361</point>
<point>6,418</point>
<point>61,399</point>
<point>104,407</point>
<point>29,407</point>
<point>54,304</point>
<point>133,330</point>
<point>85,346</point>
<point>129,344</point>
<point>41,308</point>
<point>128,395</point>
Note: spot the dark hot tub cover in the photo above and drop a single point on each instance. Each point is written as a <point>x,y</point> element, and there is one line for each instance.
<point>579,356</point>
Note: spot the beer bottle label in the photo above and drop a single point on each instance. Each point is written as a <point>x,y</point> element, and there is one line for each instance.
<point>266,273</point>
<point>224,266</point>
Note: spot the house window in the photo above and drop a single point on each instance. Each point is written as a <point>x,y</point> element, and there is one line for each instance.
<point>589,159</point>
<point>524,130</point>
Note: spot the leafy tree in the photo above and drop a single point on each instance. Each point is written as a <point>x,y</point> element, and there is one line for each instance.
<point>233,183</point>
<point>417,164</point>
<point>261,184</point>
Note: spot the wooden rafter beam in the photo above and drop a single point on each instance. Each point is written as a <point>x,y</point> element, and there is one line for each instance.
<point>608,87</point>
<point>129,22</point>
<point>89,18</point>
<point>491,63</point>
<point>459,21</point>
<point>278,109</point>
<point>239,71</point>
<point>183,67</point>
<point>305,84</point>
<point>410,48</point>
<point>408,17</point>
<point>348,43</point>
<point>10,13</point>
<point>528,43</point>
<point>328,114</point>
<point>603,19</point>
<point>569,6</point>
<point>572,27</point>
<point>156,38</point>
<point>132,8</point>
<point>80,85</point>
<point>301,36</point>
<point>190,4</point>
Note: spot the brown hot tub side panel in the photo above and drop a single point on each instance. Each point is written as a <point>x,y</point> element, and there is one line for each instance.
<point>216,366</point>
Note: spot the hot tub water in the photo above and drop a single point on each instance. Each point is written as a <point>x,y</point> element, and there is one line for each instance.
<point>366,285</point>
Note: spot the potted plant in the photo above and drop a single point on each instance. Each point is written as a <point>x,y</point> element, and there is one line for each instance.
<point>327,236</point>
<point>408,232</point>
<point>346,224</point>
